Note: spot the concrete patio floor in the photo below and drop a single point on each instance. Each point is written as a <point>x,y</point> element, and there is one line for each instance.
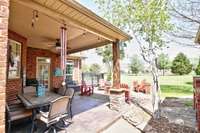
<point>91,115</point>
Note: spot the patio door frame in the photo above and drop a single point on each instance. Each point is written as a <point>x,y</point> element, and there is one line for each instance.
<point>49,70</point>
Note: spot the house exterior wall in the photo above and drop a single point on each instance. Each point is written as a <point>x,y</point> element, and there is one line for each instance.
<point>4,15</point>
<point>14,85</point>
<point>28,66</point>
<point>32,54</point>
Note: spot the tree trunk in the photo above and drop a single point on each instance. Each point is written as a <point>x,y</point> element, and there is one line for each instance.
<point>109,68</point>
<point>163,72</point>
<point>155,90</point>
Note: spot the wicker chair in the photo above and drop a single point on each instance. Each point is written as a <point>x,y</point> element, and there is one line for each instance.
<point>70,93</point>
<point>57,111</point>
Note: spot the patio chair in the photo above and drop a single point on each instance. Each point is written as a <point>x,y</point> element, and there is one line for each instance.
<point>70,93</point>
<point>127,91</point>
<point>102,84</point>
<point>16,112</point>
<point>57,111</point>
<point>29,89</point>
<point>144,87</point>
<point>107,86</point>
<point>86,89</point>
<point>135,86</point>
<point>62,90</point>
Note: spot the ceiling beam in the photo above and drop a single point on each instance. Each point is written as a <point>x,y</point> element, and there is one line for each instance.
<point>89,47</point>
<point>75,37</point>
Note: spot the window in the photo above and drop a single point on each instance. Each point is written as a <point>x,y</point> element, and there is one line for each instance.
<point>14,59</point>
<point>69,70</point>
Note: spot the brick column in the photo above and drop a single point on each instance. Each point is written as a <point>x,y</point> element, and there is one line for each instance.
<point>4,14</point>
<point>196,98</point>
<point>116,65</point>
<point>198,107</point>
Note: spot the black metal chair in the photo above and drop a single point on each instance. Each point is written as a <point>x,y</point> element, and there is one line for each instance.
<point>57,111</point>
<point>16,111</point>
<point>70,93</point>
<point>62,90</point>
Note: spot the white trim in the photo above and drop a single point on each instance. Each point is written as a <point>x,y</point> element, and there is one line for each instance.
<point>49,71</point>
<point>20,66</point>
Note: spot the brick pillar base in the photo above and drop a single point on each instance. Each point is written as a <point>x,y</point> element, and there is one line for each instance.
<point>117,99</point>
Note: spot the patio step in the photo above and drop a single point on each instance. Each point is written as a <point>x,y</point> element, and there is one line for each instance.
<point>94,120</point>
<point>109,124</point>
<point>121,126</point>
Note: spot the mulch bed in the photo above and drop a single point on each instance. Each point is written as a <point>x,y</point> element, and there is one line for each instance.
<point>162,125</point>
<point>174,102</point>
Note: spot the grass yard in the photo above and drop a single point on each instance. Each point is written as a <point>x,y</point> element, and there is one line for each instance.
<point>171,86</point>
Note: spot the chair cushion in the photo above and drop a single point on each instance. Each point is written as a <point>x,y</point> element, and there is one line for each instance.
<point>20,114</point>
<point>43,116</point>
<point>15,107</point>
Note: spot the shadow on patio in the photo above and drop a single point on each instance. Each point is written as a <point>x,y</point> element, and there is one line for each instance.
<point>90,114</point>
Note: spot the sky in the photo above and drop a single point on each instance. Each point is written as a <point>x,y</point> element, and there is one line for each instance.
<point>133,48</point>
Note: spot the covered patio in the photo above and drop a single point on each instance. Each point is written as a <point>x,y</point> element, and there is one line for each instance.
<point>89,115</point>
<point>33,33</point>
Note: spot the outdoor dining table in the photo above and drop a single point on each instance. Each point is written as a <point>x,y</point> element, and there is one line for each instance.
<point>31,101</point>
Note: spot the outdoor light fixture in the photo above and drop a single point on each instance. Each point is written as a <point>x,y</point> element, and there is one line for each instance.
<point>35,17</point>
<point>84,33</point>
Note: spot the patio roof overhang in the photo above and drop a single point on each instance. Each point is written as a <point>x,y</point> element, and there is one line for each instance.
<point>197,38</point>
<point>85,30</point>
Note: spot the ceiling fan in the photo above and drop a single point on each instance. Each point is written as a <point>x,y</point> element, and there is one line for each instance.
<point>57,45</point>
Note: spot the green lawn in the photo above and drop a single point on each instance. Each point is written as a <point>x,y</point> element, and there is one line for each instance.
<point>171,86</point>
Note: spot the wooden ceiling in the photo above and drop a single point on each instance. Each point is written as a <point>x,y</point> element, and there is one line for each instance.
<point>84,28</point>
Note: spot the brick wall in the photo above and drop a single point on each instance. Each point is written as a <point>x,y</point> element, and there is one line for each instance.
<point>13,86</point>
<point>196,98</point>
<point>4,14</point>
<point>32,54</point>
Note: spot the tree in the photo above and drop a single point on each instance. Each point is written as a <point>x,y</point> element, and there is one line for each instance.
<point>186,20</point>
<point>95,68</point>
<point>197,70</point>
<point>181,65</point>
<point>106,53</point>
<point>146,21</point>
<point>85,68</point>
<point>136,65</point>
<point>163,62</point>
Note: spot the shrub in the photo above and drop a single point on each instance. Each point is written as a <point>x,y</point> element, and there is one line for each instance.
<point>181,65</point>
<point>197,70</point>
